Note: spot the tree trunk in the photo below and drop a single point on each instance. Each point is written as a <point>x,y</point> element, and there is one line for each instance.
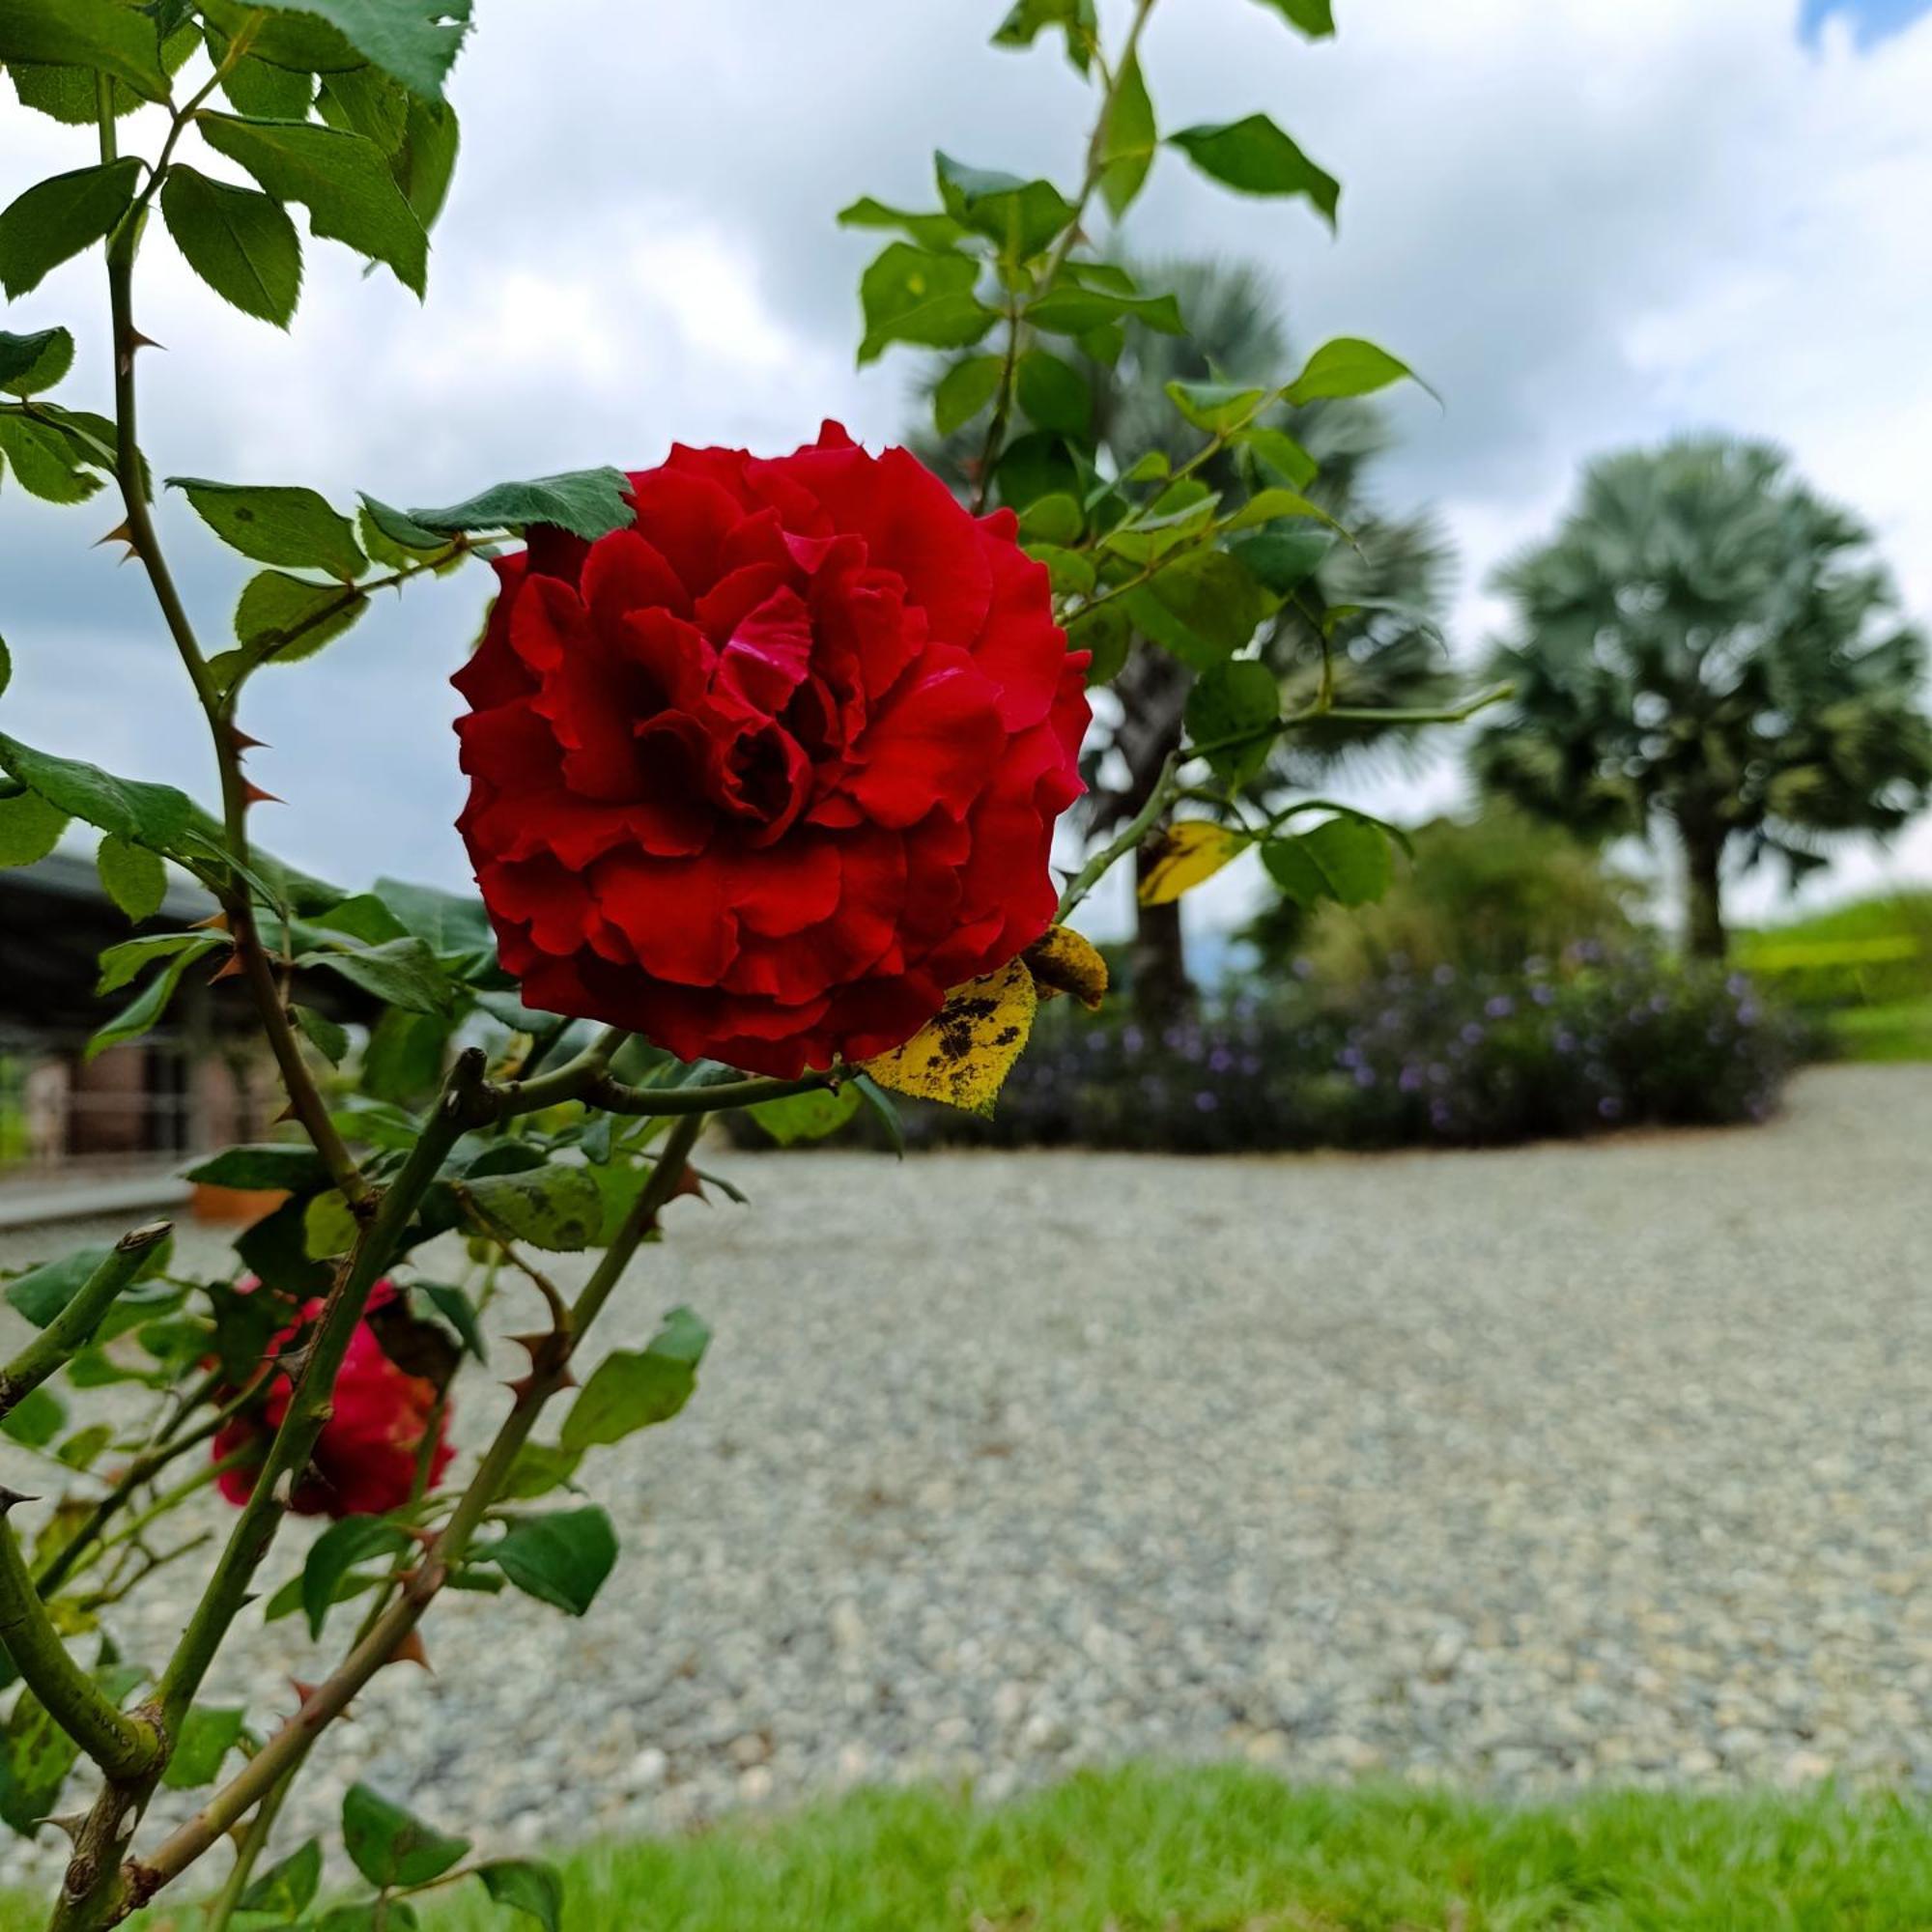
<point>1163,993</point>
<point>1703,896</point>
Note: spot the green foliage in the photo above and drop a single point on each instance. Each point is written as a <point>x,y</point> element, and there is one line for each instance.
<point>555,1208</point>
<point>335,1555</point>
<point>388,1846</point>
<point>527,1886</point>
<point>208,1734</point>
<point>132,877</point>
<point>154,815</point>
<point>30,828</point>
<point>632,1390</point>
<point>31,364</point>
<point>922,296</point>
<point>560,1559</point>
<point>288,1888</point>
<point>589,503</point>
<point>808,1117</point>
<point>295,528</point>
<point>117,40</point>
<point>58,217</point>
<point>415,41</point>
<point>1255,156</point>
<point>241,242</point>
<point>1707,643</point>
<point>343,180</point>
<point>1481,896</point>
<point>1343,859</point>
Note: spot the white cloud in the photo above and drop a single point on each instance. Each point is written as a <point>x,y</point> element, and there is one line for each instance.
<point>1589,224</point>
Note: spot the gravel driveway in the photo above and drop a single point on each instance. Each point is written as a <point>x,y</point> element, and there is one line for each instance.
<point>1604,1462</point>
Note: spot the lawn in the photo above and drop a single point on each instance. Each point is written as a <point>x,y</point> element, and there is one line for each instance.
<point>1232,1850</point>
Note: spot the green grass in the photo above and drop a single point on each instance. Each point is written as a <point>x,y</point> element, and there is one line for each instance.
<point>1900,1030</point>
<point>1231,1850</point>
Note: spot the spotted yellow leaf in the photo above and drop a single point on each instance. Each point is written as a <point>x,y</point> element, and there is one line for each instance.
<point>962,1055</point>
<point>1062,961</point>
<point>1185,855</point>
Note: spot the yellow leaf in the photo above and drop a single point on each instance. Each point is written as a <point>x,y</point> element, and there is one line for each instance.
<point>962,1055</point>
<point>1062,961</point>
<point>1185,854</point>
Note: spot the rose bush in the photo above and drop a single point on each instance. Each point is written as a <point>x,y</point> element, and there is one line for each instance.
<point>365,1460</point>
<point>768,773</point>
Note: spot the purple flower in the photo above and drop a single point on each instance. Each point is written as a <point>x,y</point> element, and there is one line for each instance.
<point>1206,1102</point>
<point>1611,1107</point>
<point>1409,1079</point>
<point>1472,1033</point>
<point>1444,976</point>
<point>1499,1007</point>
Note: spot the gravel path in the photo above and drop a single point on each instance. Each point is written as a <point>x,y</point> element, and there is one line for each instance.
<point>1603,1462</point>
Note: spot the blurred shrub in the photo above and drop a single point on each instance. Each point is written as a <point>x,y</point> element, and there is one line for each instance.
<point>1481,896</point>
<point>1870,952</point>
<point>1444,1057</point>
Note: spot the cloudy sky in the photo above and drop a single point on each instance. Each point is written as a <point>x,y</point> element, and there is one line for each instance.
<point>1588,223</point>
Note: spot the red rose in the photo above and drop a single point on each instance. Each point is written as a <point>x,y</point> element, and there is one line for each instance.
<point>766,775</point>
<point>365,1457</point>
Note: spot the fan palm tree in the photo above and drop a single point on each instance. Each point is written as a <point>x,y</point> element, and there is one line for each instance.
<point>1707,643</point>
<point>1387,656</point>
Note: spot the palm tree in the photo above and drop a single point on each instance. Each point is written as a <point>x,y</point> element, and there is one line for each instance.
<point>1708,644</point>
<point>1391,655</point>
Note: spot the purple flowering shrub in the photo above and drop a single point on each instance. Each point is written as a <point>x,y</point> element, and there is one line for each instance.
<point>1575,1045</point>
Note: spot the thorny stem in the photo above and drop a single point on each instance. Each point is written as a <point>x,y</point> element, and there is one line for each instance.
<point>593,1084</point>
<point>121,1744</point>
<point>139,527</point>
<point>548,1373</point>
<point>70,1329</point>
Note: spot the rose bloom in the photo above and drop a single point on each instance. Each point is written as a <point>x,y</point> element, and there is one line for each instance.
<point>766,774</point>
<point>365,1457</point>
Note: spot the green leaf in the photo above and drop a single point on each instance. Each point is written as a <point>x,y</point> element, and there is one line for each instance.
<point>1280,453</point>
<point>1215,407</point>
<point>537,1471</point>
<point>1020,216</point>
<point>206,1735</point>
<point>921,296</point>
<point>1283,560</point>
<point>964,390</point>
<point>453,925</point>
<point>1132,138</point>
<point>301,41</point>
<point>335,1552</point>
<point>400,972</point>
<point>1053,519</point>
<point>366,101</point>
<point>144,1011</point>
<point>1273,506</point>
<point>415,41</point>
<point>1055,395</point>
<point>343,180</point>
<point>40,1293</point>
<point>807,1116</point>
<point>30,828</point>
<point>321,1033</point>
<point>1348,366</point>
<point>268,92</point>
<point>329,1227</point>
<point>426,161</point>
<point>1255,156</point>
<point>240,241</point>
<point>31,364</point>
<point>456,1308</point>
<point>277,523</point>
<point>589,503</point>
<point>275,1166</point>
<point>105,34</point>
<point>525,1886</point>
<point>126,962</point>
<point>58,217</point>
<point>1202,608</point>
<point>35,1419</point>
<point>45,461</point>
<point>560,1559</point>
<point>287,1890</point>
<point>1107,633</point>
<point>1077,19</point>
<point>36,1756</point>
<point>149,814</point>
<point>555,1208</point>
<point>1314,17</point>
<point>80,1449</point>
<point>388,1846</point>
<point>1231,701</point>
<point>283,619</point>
<point>930,231</point>
<point>132,877</point>
<point>1067,309</point>
<point>1345,858</point>
<point>632,1390</point>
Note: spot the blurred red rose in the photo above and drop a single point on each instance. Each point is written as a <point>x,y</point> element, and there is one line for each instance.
<point>767,774</point>
<point>365,1457</point>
